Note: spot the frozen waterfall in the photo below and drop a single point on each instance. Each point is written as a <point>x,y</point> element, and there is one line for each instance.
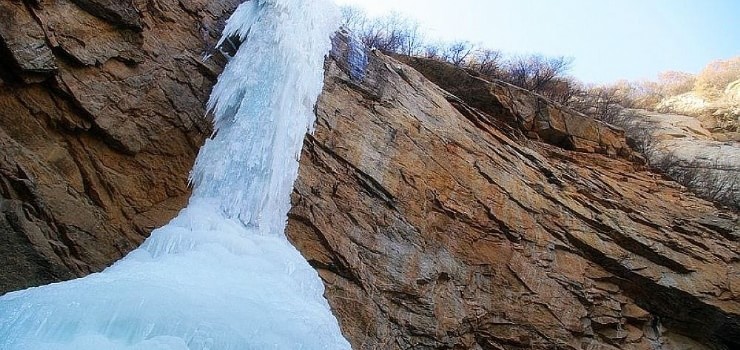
<point>221,275</point>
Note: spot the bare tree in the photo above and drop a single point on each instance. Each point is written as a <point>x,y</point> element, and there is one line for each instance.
<point>711,181</point>
<point>717,75</point>
<point>432,51</point>
<point>397,34</point>
<point>487,62</point>
<point>535,72</point>
<point>392,33</point>
<point>412,40</point>
<point>457,52</point>
<point>674,83</point>
<point>602,102</point>
<point>353,17</point>
<point>562,90</point>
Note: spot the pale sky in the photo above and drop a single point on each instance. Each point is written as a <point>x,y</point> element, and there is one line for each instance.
<point>609,39</point>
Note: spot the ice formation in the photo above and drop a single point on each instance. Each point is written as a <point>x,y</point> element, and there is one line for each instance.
<point>357,59</point>
<point>221,275</point>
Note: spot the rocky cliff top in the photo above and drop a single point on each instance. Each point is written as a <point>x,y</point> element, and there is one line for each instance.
<point>679,146</point>
<point>533,115</point>
<point>718,111</point>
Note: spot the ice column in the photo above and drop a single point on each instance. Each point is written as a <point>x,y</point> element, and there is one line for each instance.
<point>263,105</point>
<point>221,275</point>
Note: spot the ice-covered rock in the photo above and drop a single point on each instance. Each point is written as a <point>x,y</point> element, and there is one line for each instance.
<point>221,275</point>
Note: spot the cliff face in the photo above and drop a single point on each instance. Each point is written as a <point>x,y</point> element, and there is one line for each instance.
<point>434,228</point>
<point>101,115</point>
<point>434,221</point>
<point>681,147</point>
<point>530,114</point>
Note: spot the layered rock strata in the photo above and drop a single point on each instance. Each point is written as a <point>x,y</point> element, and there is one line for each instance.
<point>434,228</point>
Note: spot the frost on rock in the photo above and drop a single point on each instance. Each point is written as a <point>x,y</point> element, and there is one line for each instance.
<point>221,275</point>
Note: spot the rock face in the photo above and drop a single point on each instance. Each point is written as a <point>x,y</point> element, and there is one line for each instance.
<point>432,221</point>
<point>435,229</point>
<point>689,153</point>
<point>718,111</point>
<point>101,115</point>
<point>530,113</point>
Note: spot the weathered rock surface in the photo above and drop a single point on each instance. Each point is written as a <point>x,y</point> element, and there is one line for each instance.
<point>433,229</point>
<point>433,224</point>
<point>718,111</point>
<point>682,147</point>
<point>101,115</point>
<point>25,48</point>
<point>530,113</point>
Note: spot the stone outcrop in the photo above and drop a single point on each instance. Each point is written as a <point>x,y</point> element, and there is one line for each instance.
<point>715,105</point>
<point>101,115</point>
<point>435,229</point>
<point>679,146</point>
<point>432,220</point>
<point>530,113</point>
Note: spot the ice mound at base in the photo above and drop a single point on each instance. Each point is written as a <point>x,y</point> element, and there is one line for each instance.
<point>201,282</point>
<point>221,275</point>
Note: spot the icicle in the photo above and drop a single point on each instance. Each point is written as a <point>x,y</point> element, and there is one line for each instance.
<point>221,275</point>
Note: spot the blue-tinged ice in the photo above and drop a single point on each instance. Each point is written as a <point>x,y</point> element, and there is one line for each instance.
<point>357,59</point>
<point>222,274</point>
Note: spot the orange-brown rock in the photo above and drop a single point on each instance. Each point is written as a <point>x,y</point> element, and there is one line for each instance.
<point>433,224</point>
<point>101,115</point>
<point>434,229</point>
<point>530,113</point>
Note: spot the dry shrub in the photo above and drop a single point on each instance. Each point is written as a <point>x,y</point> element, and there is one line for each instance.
<point>399,35</point>
<point>712,81</point>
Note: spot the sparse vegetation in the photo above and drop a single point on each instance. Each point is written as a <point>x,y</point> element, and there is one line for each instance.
<point>547,76</point>
<point>712,96</point>
<point>707,178</point>
<point>711,181</point>
<point>392,33</point>
<point>398,35</point>
<point>716,76</point>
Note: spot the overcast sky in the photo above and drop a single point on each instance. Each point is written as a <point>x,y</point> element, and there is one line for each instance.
<point>609,39</point>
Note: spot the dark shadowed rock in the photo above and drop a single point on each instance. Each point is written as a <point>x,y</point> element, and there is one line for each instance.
<point>119,12</point>
<point>23,48</point>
